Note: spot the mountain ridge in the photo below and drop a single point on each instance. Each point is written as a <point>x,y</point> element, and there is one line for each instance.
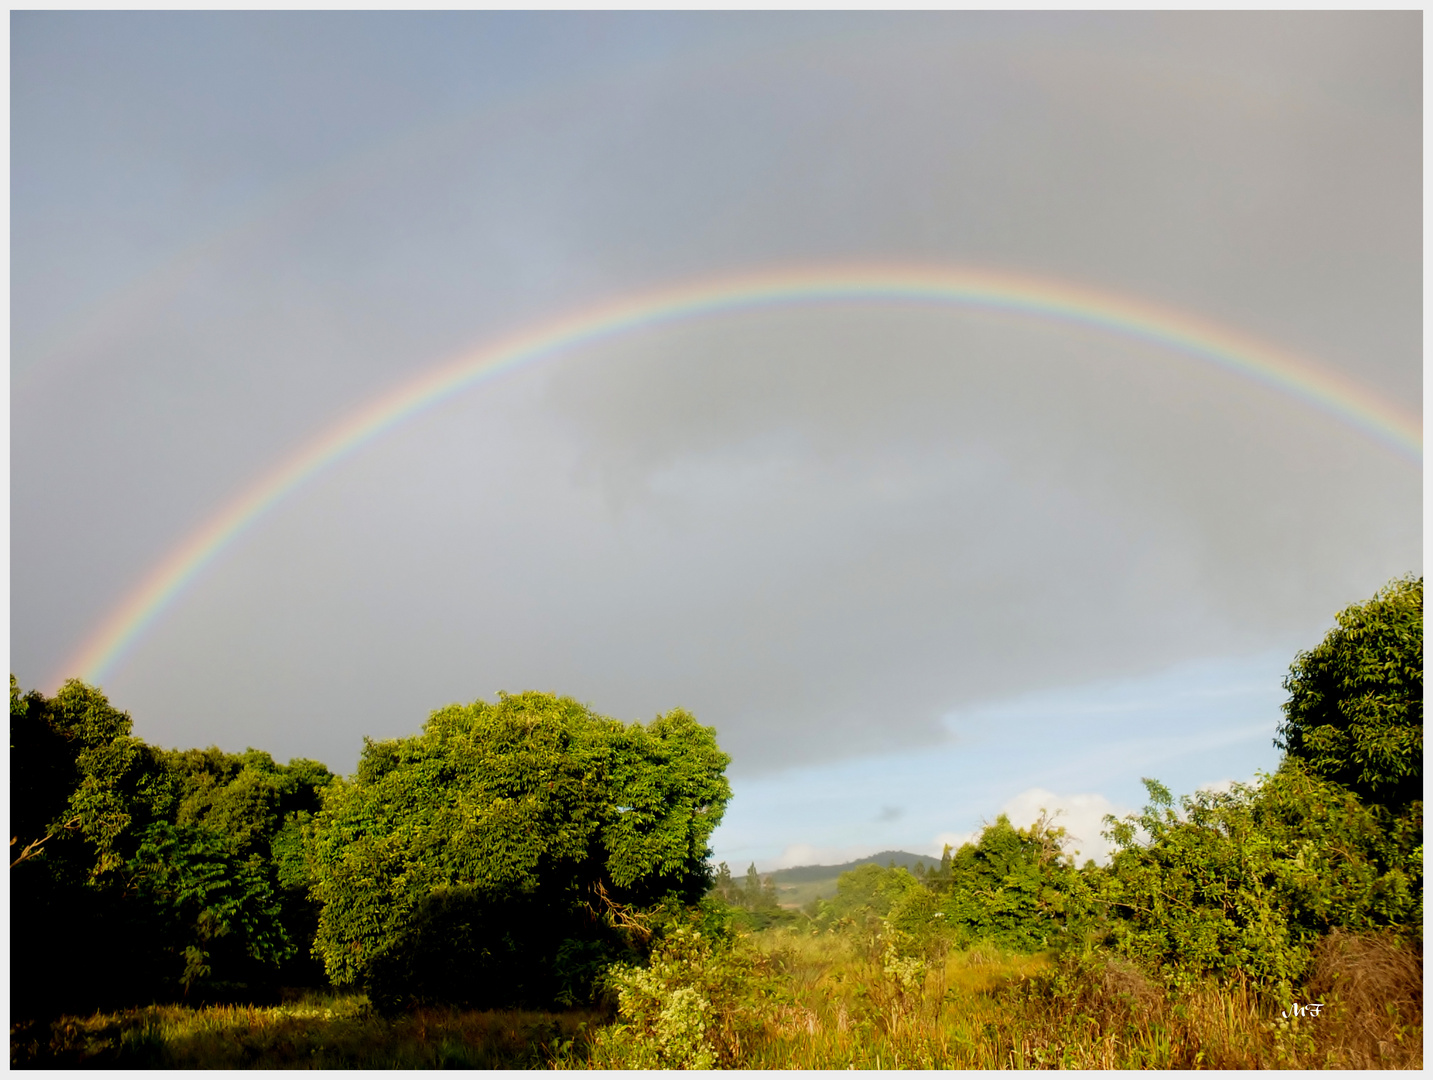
<point>795,875</point>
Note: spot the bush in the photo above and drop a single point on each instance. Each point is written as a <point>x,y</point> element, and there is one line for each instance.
<point>1016,888</point>
<point>1247,880</point>
<point>864,895</point>
<point>691,1007</point>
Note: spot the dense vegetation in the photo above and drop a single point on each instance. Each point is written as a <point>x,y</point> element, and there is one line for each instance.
<point>531,854</point>
<point>142,874</point>
<point>510,852</point>
<point>1355,710</point>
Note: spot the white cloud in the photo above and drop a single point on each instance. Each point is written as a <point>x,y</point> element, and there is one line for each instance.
<point>954,839</point>
<point>1082,817</point>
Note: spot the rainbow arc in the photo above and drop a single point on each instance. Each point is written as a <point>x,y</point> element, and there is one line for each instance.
<point>1297,377</point>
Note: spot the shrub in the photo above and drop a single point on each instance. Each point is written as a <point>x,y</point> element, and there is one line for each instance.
<point>1247,880</point>
<point>1016,887</point>
<point>692,1007</point>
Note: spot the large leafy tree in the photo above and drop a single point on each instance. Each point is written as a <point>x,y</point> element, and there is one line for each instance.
<point>229,867</point>
<point>479,861</point>
<point>84,789</point>
<point>1355,708</point>
<point>140,873</point>
<point>1247,880</point>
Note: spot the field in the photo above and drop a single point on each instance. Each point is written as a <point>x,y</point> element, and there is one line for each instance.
<point>318,1032</point>
<point>818,1001</point>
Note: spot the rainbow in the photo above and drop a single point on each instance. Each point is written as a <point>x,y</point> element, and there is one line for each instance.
<point>1127,317</point>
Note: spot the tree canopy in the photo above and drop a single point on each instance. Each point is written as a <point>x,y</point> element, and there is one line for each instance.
<point>544,827</point>
<point>1355,710</point>
<point>143,873</point>
<point>1246,880</point>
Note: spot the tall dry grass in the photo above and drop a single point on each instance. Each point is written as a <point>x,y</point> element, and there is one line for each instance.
<point>1373,987</point>
<point>845,1004</point>
<point>833,1001</point>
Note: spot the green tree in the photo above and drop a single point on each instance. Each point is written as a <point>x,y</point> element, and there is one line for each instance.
<point>865,894</point>
<point>201,898</point>
<point>1355,708</point>
<point>42,775</point>
<point>724,886</point>
<point>751,893</point>
<point>147,873</point>
<point>86,790</point>
<point>547,826</point>
<point>246,814</point>
<point>1015,887</point>
<point>751,889</point>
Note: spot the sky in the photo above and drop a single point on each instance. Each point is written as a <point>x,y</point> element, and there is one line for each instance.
<point>918,563</point>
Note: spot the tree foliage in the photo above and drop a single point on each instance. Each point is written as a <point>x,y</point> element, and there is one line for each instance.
<point>1247,880</point>
<point>529,851</point>
<point>1355,708</point>
<point>1016,887</point>
<point>539,820</point>
<point>751,900</point>
<point>866,893</point>
<point>145,873</point>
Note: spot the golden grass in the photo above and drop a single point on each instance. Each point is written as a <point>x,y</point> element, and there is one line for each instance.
<point>321,1032</point>
<point>841,1002</point>
<point>982,1008</point>
<point>1373,987</point>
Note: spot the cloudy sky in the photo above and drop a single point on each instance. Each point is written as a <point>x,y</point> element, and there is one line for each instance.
<point>917,564</point>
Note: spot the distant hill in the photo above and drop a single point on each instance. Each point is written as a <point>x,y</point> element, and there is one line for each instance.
<point>798,885</point>
<point>797,875</point>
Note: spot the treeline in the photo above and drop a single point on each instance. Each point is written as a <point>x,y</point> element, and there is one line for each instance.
<point>143,874</point>
<point>534,853</point>
<point>1244,882</point>
<point>505,856</point>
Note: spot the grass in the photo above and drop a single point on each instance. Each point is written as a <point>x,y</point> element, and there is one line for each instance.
<point>319,1032</point>
<point>827,1001</point>
<point>982,1008</point>
<point>842,1004</point>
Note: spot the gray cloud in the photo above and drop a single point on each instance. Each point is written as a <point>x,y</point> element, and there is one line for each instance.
<point>819,529</point>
